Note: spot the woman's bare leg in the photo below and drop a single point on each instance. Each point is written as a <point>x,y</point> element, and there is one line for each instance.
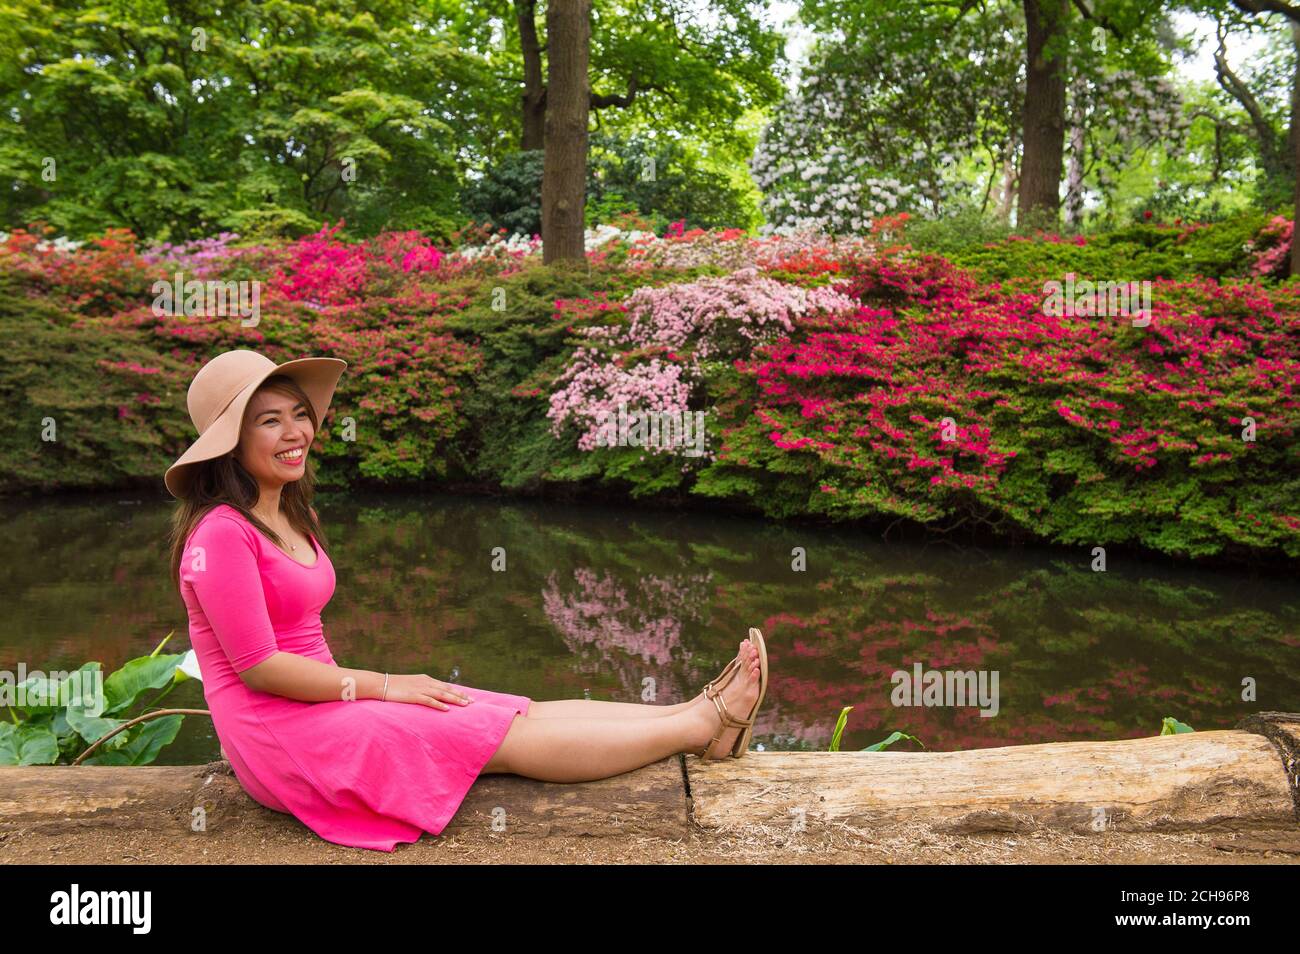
<point>598,709</point>
<point>576,749</point>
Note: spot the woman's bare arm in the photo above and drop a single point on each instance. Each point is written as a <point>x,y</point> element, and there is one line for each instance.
<point>309,680</point>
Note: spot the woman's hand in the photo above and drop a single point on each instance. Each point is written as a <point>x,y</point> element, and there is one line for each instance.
<point>424,690</point>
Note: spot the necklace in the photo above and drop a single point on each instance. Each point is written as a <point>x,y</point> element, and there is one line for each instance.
<point>292,546</point>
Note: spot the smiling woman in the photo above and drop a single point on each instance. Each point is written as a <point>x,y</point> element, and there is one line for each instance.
<point>325,743</point>
<point>256,424</point>
<point>278,429</point>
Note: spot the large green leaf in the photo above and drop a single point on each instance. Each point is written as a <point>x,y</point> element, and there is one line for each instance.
<point>44,694</point>
<point>136,676</point>
<point>146,740</point>
<point>27,744</point>
<point>93,728</point>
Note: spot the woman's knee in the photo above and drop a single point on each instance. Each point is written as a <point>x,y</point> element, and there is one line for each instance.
<point>499,763</point>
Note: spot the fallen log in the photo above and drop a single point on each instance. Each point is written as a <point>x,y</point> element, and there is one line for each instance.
<point>63,798</point>
<point>1227,780</point>
<point>1230,780</point>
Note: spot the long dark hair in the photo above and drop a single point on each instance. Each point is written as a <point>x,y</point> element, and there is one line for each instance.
<point>223,480</point>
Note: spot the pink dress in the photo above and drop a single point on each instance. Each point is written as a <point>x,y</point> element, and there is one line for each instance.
<point>363,773</point>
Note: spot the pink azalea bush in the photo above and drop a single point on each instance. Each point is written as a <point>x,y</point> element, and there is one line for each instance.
<point>198,257</point>
<point>1271,249</point>
<point>322,270</point>
<point>656,358</point>
<point>940,398</point>
<point>732,249</point>
<point>852,379</point>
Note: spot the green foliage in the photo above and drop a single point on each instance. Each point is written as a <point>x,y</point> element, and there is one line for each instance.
<point>268,119</point>
<point>955,234</point>
<point>891,739</point>
<point>62,718</point>
<point>58,386</point>
<point>875,747</point>
<point>660,180</point>
<point>509,194</point>
<point>665,181</point>
<point>228,115</point>
<point>839,728</point>
<point>1134,253</point>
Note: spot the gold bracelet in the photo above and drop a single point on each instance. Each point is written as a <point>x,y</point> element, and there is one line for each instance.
<point>384,697</point>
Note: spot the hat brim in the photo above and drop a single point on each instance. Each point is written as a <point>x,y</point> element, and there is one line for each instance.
<point>318,377</point>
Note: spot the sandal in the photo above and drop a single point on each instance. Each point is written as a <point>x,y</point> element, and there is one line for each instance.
<point>713,692</point>
<point>755,637</point>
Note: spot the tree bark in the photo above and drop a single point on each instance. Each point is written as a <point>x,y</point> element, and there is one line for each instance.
<point>1295,148</point>
<point>1270,153</point>
<point>1239,780</point>
<point>1273,153</point>
<point>1007,190</point>
<point>568,103</point>
<point>1044,111</point>
<point>1074,176</point>
<point>61,799</point>
<point>534,96</point>
<point>1216,780</point>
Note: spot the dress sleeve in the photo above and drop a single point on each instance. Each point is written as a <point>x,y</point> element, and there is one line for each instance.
<point>228,586</point>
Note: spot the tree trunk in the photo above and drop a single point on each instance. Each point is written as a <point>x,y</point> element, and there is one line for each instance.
<point>1007,190</point>
<point>1044,112</point>
<point>568,101</point>
<point>159,799</point>
<point>1295,148</point>
<point>1074,176</point>
<point>1240,779</point>
<point>1216,780</point>
<point>534,97</point>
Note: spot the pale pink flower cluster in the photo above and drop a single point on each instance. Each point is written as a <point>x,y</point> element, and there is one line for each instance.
<point>697,313</point>
<point>679,326</point>
<point>596,387</point>
<point>598,612</point>
<point>732,251</point>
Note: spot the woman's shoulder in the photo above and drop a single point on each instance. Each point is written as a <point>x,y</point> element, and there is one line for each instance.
<point>220,530</point>
<point>223,522</point>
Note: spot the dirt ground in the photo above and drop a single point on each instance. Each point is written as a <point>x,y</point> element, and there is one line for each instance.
<point>266,838</point>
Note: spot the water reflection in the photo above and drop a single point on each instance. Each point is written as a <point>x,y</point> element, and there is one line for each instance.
<point>633,605</point>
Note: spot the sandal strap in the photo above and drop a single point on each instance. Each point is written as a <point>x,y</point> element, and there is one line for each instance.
<point>720,681</point>
<point>728,721</point>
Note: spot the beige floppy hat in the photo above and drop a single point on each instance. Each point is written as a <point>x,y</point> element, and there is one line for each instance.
<point>222,389</point>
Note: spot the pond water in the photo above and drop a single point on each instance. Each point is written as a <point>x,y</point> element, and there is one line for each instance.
<point>645,605</point>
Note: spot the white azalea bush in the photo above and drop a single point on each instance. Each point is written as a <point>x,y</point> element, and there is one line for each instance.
<point>885,122</point>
